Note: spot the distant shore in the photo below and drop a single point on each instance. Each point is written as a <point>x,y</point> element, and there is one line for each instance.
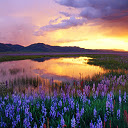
<point>13,56</point>
<point>57,53</point>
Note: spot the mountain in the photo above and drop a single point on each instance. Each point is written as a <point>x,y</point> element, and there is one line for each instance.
<point>39,47</point>
<point>10,47</point>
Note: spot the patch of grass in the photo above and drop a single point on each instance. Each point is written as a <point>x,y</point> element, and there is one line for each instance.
<point>24,57</point>
<point>109,61</point>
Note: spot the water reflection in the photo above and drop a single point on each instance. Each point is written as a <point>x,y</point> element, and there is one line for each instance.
<point>61,69</point>
<point>25,75</point>
<point>65,69</point>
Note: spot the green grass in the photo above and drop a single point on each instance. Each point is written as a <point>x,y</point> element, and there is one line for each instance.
<point>117,64</point>
<point>109,61</point>
<point>13,58</point>
<point>112,62</point>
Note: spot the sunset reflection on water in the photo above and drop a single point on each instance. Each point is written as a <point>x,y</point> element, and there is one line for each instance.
<point>61,69</point>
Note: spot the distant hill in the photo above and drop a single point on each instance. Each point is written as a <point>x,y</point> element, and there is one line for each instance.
<point>10,47</point>
<point>41,47</point>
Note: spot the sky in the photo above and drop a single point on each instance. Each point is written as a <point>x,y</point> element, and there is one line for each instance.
<point>90,24</point>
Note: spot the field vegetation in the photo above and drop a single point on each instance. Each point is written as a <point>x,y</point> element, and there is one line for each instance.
<point>98,102</point>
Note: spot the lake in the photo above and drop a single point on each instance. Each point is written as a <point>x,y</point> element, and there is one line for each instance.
<point>66,69</point>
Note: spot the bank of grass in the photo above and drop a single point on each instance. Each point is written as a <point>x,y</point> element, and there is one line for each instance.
<point>109,61</point>
<point>24,57</point>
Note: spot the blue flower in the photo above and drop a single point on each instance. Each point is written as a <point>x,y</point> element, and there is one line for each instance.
<point>52,112</point>
<point>60,103</point>
<point>73,122</point>
<point>35,125</point>
<point>82,111</point>
<point>94,112</point>
<point>44,111</point>
<point>62,122</point>
<point>118,114</point>
<point>18,118</point>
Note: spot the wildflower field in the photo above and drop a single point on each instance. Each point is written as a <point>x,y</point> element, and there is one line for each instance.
<point>98,102</point>
<point>102,105</point>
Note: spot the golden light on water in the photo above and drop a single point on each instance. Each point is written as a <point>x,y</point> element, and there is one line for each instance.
<point>67,67</point>
<point>62,69</point>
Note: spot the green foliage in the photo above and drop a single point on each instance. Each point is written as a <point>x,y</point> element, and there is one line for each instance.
<point>109,61</point>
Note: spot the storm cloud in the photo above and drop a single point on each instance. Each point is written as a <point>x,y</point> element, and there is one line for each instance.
<point>64,24</point>
<point>104,9</point>
<point>90,10</point>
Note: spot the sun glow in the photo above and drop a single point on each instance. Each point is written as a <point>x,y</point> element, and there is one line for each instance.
<point>104,43</point>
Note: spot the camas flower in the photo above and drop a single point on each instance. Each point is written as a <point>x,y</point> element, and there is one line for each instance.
<point>94,112</point>
<point>52,112</point>
<point>62,122</point>
<point>82,111</point>
<point>60,103</point>
<point>18,118</point>
<point>73,122</point>
<point>118,114</point>
<point>35,125</point>
<point>124,97</point>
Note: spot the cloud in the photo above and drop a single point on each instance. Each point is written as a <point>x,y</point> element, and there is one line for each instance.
<point>64,24</point>
<point>104,9</point>
<point>65,14</point>
<point>55,20</point>
<point>70,40</point>
<point>94,3</point>
<point>73,3</point>
<point>89,11</point>
<point>19,19</point>
<point>16,30</point>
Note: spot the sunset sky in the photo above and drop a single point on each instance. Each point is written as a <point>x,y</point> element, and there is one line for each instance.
<point>91,24</point>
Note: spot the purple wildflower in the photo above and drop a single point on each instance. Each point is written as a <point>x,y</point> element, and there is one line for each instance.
<point>52,112</point>
<point>73,122</point>
<point>62,122</point>
<point>26,122</point>
<point>91,125</point>
<point>124,97</point>
<point>26,111</point>
<point>18,118</point>
<point>105,117</point>
<point>94,112</point>
<point>82,111</point>
<point>119,100</point>
<point>119,92</point>
<point>118,114</point>
<point>99,123</point>
<point>60,103</point>
<point>65,109</point>
<point>35,125</point>
<point>44,111</point>
<point>37,105</point>
<point>14,124</point>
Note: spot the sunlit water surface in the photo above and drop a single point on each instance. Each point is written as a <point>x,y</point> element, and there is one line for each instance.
<point>56,69</point>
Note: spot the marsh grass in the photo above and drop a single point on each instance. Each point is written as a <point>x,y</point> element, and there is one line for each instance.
<point>14,71</point>
<point>24,57</point>
<point>109,61</point>
<point>21,83</point>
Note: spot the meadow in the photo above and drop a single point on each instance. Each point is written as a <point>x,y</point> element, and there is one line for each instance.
<point>97,106</point>
<point>100,102</point>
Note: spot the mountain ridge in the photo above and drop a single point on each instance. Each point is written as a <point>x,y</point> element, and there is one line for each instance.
<point>41,47</point>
